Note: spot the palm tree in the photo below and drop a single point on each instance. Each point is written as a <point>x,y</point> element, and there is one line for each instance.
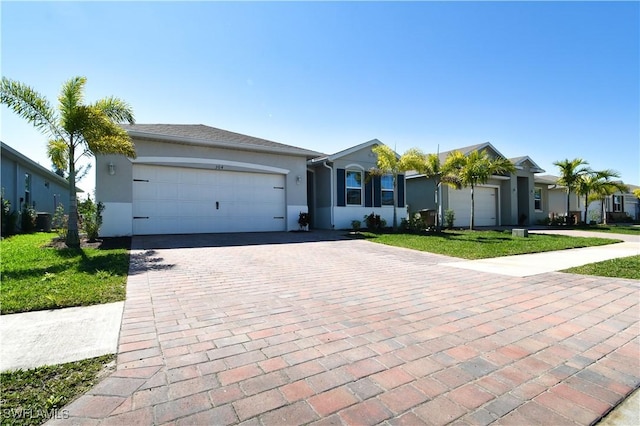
<point>598,183</point>
<point>389,163</point>
<point>604,189</point>
<point>475,169</point>
<point>75,130</point>
<point>430,166</point>
<point>571,172</point>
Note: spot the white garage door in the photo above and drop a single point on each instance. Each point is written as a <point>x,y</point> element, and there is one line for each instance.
<point>486,206</point>
<point>175,200</point>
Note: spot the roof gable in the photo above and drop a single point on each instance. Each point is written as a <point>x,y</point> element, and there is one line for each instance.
<point>492,151</point>
<point>199,134</point>
<point>520,162</point>
<point>372,143</point>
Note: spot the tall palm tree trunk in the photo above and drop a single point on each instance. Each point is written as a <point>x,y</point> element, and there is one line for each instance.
<point>472,208</point>
<point>73,236</point>
<point>395,203</point>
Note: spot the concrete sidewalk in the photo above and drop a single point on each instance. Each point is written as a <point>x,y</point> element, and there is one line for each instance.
<point>524,265</point>
<point>34,339</point>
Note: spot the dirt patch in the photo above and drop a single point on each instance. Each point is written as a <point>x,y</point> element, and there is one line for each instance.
<point>101,243</point>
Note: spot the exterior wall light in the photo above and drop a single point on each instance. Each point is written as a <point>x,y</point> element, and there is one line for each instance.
<point>112,169</point>
<point>298,180</point>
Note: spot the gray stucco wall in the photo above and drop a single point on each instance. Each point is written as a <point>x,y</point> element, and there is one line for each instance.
<point>118,188</point>
<point>47,190</point>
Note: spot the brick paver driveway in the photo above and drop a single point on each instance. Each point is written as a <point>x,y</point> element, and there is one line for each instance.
<point>248,328</point>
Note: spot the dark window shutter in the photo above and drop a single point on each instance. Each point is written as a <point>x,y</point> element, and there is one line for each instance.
<point>377,192</point>
<point>368,189</point>
<point>341,187</point>
<point>400,183</point>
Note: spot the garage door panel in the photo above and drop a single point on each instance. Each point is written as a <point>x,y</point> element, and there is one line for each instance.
<point>180,200</point>
<point>485,206</point>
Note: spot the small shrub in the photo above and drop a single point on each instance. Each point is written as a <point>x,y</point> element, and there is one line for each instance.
<point>413,224</point>
<point>60,222</point>
<point>28,220</point>
<point>9,218</point>
<point>449,218</point>
<point>91,217</point>
<point>374,222</point>
<point>355,225</point>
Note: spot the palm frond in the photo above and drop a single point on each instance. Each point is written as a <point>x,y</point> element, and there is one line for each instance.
<point>58,152</point>
<point>30,105</point>
<point>116,109</point>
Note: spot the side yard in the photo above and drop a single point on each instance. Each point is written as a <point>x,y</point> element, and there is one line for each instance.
<point>36,275</point>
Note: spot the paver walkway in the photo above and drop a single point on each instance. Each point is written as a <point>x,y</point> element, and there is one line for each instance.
<point>352,332</point>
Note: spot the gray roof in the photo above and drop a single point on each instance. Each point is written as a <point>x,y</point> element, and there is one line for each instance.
<point>199,134</point>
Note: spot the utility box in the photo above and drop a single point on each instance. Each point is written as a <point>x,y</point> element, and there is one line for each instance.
<point>43,221</point>
<point>428,217</point>
<point>518,232</point>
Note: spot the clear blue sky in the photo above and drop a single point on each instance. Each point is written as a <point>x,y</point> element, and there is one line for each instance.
<point>544,79</point>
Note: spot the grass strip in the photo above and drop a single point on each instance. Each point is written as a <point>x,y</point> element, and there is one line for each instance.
<point>483,244</point>
<point>31,397</point>
<point>624,267</point>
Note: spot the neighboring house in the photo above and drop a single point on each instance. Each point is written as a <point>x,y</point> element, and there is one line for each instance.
<point>199,179</point>
<point>26,183</point>
<point>342,189</point>
<point>556,198</point>
<point>512,199</point>
<point>618,206</point>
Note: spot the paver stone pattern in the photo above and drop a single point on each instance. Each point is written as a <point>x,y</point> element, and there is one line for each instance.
<point>263,330</point>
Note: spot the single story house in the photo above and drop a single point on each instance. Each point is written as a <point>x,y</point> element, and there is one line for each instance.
<point>342,189</point>
<point>200,179</point>
<point>511,199</point>
<point>27,183</point>
<point>617,207</point>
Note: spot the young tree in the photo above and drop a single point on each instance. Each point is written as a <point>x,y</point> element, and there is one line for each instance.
<point>595,184</point>
<point>75,130</point>
<point>430,166</point>
<point>475,169</point>
<point>389,163</point>
<point>571,172</point>
<point>604,189</point>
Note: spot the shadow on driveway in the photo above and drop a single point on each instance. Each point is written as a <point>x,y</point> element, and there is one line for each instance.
<point>146,242</point>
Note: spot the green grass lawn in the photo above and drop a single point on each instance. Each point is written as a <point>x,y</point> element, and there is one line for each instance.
<point>31,397</point>
<point>612,229</point>
<point>36,277</point>
<point>624,267</point>
<point>483,244</point>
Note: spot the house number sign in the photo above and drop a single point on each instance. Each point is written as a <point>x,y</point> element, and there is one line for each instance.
<point>218,167</point>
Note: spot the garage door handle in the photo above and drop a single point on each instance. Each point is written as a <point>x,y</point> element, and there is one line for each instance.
<point>217,205</point>
<point>141,217</point>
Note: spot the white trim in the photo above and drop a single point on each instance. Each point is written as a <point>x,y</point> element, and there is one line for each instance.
<point>355,166</point>
<point>541,209</point>
<point>191,162</point>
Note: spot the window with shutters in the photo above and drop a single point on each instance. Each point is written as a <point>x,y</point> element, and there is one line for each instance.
<point>386,184</point>
<point>617,203</point>
<point>354,187</point>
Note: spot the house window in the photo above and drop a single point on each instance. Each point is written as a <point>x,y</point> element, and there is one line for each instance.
<point>354,188</point>
<point>386,184</point>
<point>27,189</point>
<point>537,199</point>
<point>617,203</point>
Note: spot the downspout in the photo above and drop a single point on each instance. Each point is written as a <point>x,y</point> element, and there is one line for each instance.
<point>325,163</point>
